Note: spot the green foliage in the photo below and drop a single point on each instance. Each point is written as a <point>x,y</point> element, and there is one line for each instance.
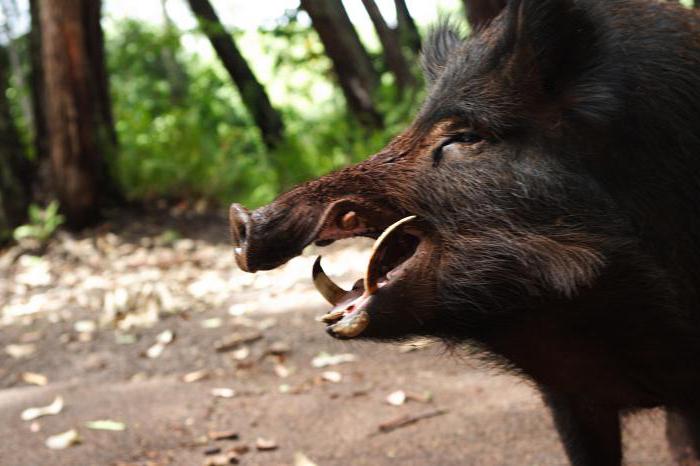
<point>202,142</point>
<point>42,223</point>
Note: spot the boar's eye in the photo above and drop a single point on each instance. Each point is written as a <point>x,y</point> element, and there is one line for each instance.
<point>468,138</point>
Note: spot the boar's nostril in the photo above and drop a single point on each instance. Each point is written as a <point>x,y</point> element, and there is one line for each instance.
<point>349,221</point>
<point>242,232</point>
<point>239,220</point>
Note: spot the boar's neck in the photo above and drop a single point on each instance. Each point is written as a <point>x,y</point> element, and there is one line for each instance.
<point>652,162</point>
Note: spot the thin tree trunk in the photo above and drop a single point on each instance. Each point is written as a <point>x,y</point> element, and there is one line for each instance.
<point>353,67</point>
<point>408,32</point>
<point>481,12</point>
<point>95,43</point>
<point>252,92</point>
<point>391,46</point>
<point>176,74</point>
<point>36,79</point>
<point>15,170</point>
<point>79,123</point>
<point>9,9</point>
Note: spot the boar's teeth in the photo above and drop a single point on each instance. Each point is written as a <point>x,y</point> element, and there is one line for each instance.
<point>329,290</point>
<point>352,325</point>
<point>333,316</point>
<point>372,274</point>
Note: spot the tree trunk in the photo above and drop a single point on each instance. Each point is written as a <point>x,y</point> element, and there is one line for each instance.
<point>36,79</point>
<point>481,12</point>
<point>177,77</point>
<point>9,9</point>
<point>408,32</point>
<point>252,92</point>
<point>15,170</point>
<point>353,67</point>
<point>81,135</point>
<point>391,46</point>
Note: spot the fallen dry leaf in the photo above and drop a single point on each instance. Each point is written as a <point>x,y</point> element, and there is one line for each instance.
<point>242,308</point>
<point>63,440</point>
<point>165,337</point>
<point>408,419</point>
<point>233,341</point>
<point>263,444</point>
<point>214,322</point>
<point>20,351</point>
<point>34,379</point>
<point>106,424</point>
<point>195,376</point>
<point>425,397</point>
<point>54,408</point>
<point>241,353</point>
<point>301,459</point>
<point>212,450</point>
<point>162,340</point>
<point>85,326</point>
<point>325,359</point>
<point>278,348</point>
<point>282,371</point>
<point>221,460</point>
<point>332,376</point>
<point>223,435</point>
<point>240,449</point>
<point>396,398</point>
<point>223,392</point>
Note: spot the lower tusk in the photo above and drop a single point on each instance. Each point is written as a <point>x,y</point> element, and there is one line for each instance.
<point>351,326</point>
<point>332,292</point>
<point>372,273</point>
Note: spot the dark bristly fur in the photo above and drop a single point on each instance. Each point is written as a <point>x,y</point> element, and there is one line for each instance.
<point>555,172</point>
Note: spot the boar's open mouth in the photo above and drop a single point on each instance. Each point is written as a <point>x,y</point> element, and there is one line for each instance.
<point>391,256</point>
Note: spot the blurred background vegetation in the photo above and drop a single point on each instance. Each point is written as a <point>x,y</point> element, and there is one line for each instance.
<point>101,106</point>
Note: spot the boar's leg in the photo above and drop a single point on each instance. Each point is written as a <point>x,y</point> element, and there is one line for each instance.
<point>590,433</point>
<point>683,434</point>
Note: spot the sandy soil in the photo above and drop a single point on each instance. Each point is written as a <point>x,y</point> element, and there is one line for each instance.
<point>314,415</point>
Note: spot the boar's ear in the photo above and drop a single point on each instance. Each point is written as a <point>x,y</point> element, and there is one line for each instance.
<point>563,267</point>
<point>481,12</point>
<point>552,42</point>
<point>439,45</point>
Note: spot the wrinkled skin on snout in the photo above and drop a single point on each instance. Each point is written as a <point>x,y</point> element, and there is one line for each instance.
<point>499,227</point>
<point>542,207</point>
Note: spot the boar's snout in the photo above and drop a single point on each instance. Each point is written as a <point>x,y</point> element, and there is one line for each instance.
<point>239,221</point>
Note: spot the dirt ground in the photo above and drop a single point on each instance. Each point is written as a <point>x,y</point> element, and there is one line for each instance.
<point>87,315</point>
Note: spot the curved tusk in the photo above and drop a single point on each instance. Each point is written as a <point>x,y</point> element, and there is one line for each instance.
<point>332,292</point>
<point>372,274</point>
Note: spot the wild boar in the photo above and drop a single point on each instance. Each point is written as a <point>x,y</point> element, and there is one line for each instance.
<point>543,207</point>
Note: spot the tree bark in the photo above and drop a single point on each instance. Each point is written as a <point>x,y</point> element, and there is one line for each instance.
<point>351,63</point>
<point>92,13</point>
<point>252,92</point>
<point>408,32</point>
<point>9,9</point>
<point>80,133</point>
<point>36,80</point>
<point>177,77</point>
<point>481,12</point>
<point>391,46</point>
<point>15,170</point>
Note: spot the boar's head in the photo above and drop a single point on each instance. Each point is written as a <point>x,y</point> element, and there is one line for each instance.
<point>500,212</point>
